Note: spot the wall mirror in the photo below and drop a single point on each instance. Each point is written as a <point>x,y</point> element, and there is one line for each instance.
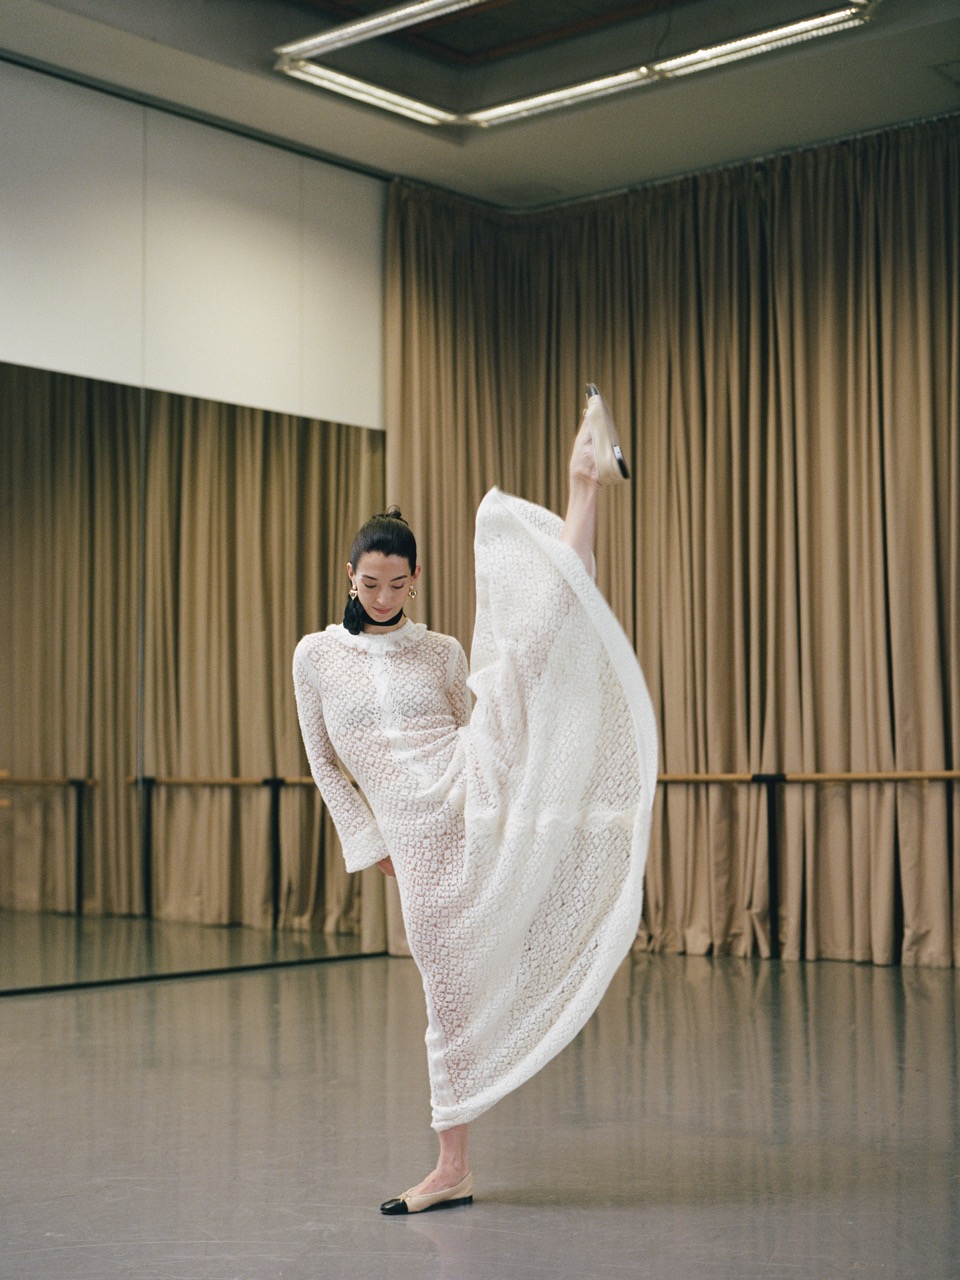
<point>161,557</point>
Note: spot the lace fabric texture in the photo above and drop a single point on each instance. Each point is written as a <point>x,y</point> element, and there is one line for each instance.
<point>518,828</point>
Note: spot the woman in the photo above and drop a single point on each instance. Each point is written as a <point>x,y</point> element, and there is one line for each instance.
<point>517,830</point>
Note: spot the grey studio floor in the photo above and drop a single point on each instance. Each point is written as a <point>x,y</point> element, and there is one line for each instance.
<point>717,1117</point>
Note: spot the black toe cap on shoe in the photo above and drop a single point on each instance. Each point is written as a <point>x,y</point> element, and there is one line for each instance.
<point>394,1206</point>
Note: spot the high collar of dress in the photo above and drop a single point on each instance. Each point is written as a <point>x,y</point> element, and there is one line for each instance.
<point>383,642</point>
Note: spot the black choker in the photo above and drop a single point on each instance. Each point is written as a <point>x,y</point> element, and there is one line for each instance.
<point>355,618</point>
<point>390,622</point>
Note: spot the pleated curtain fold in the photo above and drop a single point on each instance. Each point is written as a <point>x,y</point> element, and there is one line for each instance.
<point>69,532</point>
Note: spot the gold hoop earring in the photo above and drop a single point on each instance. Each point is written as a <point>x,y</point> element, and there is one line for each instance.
<point>412,593</point>
<point>353,593</point>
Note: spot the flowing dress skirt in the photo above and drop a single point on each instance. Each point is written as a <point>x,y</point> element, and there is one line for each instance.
<point>559,766</point>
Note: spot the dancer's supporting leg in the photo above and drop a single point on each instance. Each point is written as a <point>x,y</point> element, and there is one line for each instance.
<point>580,524</point>
<point>453,1164</point>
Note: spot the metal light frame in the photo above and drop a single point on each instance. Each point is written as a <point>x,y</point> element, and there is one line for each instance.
<point>296,59</point>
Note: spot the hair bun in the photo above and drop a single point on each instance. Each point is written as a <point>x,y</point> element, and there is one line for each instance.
<point>392,513</point>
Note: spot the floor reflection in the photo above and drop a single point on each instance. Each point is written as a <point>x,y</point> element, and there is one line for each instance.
<point>715,1120</point>
<point>41,951</point>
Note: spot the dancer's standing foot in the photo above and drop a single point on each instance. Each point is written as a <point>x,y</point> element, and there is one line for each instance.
<point>452,1168</point>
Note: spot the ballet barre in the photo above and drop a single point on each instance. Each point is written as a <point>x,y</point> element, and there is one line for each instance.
<point>772,782</point>
<point>148,785</point>
<point>80,787</point>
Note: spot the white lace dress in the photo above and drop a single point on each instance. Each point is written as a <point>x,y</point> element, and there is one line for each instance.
<point>518,829</point>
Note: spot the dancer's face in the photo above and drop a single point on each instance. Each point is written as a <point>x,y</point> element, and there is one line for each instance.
<point>382,583</point>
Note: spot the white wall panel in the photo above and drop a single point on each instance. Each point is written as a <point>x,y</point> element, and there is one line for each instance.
<point>343,295</point>
<point>222,314</point>
<point>71,219</point>
<point>140,247</point>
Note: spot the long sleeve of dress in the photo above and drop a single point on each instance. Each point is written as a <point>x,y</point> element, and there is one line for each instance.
<point>457,691</point>
<point>363,845</point>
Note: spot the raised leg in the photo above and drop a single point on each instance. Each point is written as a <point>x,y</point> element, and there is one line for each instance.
<point>580,522</point>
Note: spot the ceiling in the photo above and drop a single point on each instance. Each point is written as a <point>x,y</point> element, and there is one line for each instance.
<point>214,60</point>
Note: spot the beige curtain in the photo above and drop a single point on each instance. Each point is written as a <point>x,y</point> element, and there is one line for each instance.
<point>780,345</point>
<point>242,526</point>
<point>248,521</point>
<point>69,532</point>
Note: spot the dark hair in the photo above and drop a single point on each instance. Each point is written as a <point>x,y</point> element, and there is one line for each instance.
<point>387,533</point>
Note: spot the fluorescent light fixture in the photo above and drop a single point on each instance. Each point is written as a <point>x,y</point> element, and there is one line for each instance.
<point>294,61</point>
<point>372,94</point>
<point>762,42</point>
<point>377,24</point>
<point>558,98</point>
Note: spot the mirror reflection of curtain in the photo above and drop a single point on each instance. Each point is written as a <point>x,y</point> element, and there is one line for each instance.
<point>70,538</point>
<point>245,521</point>
<point>248,520</point>
<point>779,343</point>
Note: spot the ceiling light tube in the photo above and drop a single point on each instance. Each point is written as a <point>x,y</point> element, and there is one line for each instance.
<point>377,24</point>
<point>371,94</point>
<point>853,14</point>
<point>557,98</point>
<point>762,41</point>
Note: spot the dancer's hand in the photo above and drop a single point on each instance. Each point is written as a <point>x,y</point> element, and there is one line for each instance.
<point>386,866</point>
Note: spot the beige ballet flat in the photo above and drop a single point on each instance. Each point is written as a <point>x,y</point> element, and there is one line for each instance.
<point>611,464</point>
<point>462,1193</point>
